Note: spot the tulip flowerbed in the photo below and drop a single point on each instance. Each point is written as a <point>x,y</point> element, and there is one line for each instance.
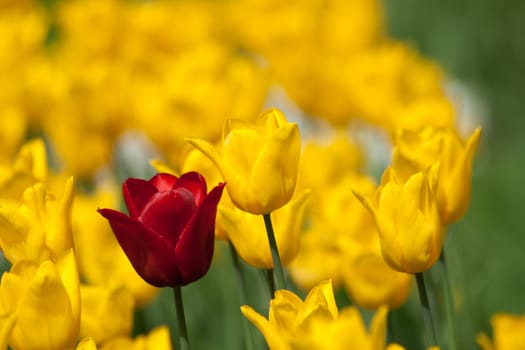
<point>250,174</point>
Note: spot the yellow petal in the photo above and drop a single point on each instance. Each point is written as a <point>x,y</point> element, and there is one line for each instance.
<point>61,238</point>
<point>247,234</point>
<point>274,173</point>
<point>285,308</point>
<point>207,149</point>
<point>45,319</point>
<point>288,222</point>
<point>32,159</point>
<point>87,344</point>
<point>68,270</point>
<point>162,167</point>
<point>378,328</point>
<point>270,333</point>
<point>7,323</point>
<point>20,241</point>
<point>322,296</point>
<point>240,151</point>
<point>365,200</point>
<point>159,339</point>
<point>107,312</point>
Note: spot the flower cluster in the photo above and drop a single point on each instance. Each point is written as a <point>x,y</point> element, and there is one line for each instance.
<point>292,191</point>
<point>51,297</point>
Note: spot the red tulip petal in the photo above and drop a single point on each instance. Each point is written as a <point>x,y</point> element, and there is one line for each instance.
<point>196,183</point>
<point>137,193</point>
<point>149,254</point>
<point>131,236</point>
<point>167,213</point>
<point>194,250</point>
<point>160,268</point>
<point>164,182</point>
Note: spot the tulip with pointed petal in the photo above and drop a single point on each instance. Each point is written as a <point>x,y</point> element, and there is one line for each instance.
<point>169,233</point>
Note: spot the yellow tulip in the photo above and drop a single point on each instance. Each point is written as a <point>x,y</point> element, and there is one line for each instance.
<point>107,312</point>
<point>248,235</point>
<point>417,150</point>
<point>371,283</point>
<point>316,323</point>
<point>44,301</point>
<point>40,228</point>
<point>258,161</point>
<point>508,333</point>
<point>408,221</point>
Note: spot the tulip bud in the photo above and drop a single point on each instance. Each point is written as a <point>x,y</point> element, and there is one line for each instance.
<point>169,233</point>
<point>258,161</point>
<point>417,150</point>
<point>40,304</point>
<point>408,220</point>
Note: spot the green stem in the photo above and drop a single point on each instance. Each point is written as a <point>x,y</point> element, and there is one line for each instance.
<point>280,282</point>
<point>243,296</point>
<point>270,280</point>
<point>425,305</point>
<point>449,305</point>
<point>181,320</point>
<point>392,333</point>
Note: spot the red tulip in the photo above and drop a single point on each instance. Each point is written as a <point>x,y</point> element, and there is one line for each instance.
<point>169,233</point>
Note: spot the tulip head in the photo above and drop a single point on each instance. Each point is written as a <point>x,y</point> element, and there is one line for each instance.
<point>40,304</point>
<point>408,220</point>
<point>259,161</point>
<point>417,150</point>
<point>316,323</point>
<point>169,233</point>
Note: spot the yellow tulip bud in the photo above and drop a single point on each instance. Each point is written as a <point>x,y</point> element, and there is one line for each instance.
<point>258,161</point>
<point>407,217</point>
<point>44,300</point>
<point>417,150</point>
<point>246,232</point>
